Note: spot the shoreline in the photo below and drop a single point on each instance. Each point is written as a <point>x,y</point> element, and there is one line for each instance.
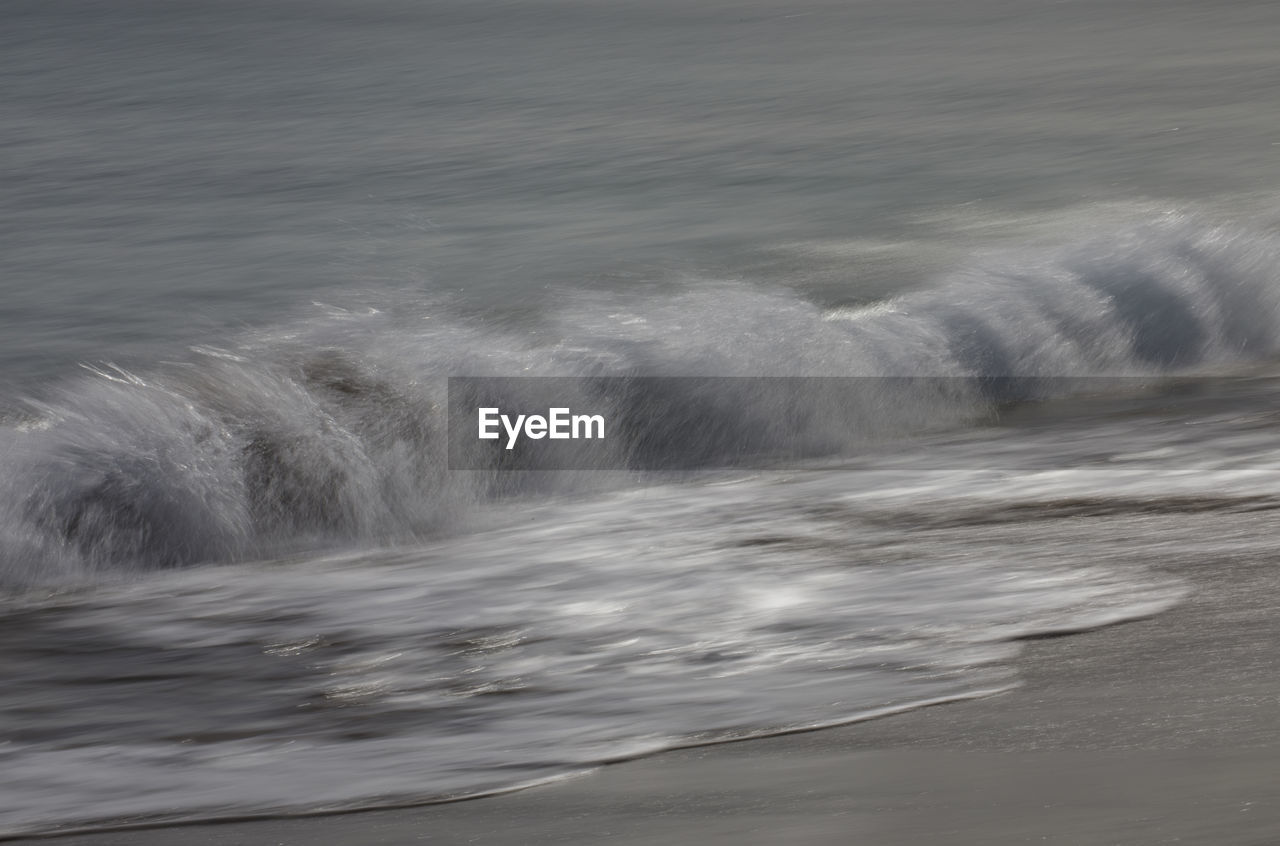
<point>1160,730</point>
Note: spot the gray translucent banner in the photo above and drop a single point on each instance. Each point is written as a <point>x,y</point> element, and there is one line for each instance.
<point>698,423</point>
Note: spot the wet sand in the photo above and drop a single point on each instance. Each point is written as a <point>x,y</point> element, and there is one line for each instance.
<point>1164,730</point>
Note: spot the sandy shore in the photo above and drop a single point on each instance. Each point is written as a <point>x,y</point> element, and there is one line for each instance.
<point>1158,731</point>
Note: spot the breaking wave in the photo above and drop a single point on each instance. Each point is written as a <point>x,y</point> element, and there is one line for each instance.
<point>332,429</point>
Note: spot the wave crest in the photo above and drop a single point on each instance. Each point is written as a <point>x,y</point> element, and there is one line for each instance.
<point>333,428</point>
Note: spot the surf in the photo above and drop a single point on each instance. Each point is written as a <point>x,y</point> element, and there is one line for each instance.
<point>331,429</point>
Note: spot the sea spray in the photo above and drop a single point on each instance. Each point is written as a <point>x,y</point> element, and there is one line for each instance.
<point>332,429</point>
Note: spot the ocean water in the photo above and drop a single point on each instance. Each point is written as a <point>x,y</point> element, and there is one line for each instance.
<point>243,247</point>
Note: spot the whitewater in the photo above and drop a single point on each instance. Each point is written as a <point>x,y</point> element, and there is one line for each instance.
<point>481,630</point>
<point>333,430</point>
<point>918,329</point>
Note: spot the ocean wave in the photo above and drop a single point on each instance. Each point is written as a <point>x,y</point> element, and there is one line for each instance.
<point>332,429</point>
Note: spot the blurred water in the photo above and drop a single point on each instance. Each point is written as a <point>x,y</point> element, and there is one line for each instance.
<point>271,230</point>
<point>174,169</point>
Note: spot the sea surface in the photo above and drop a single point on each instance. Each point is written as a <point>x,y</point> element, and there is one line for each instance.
<point>244,245</point>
